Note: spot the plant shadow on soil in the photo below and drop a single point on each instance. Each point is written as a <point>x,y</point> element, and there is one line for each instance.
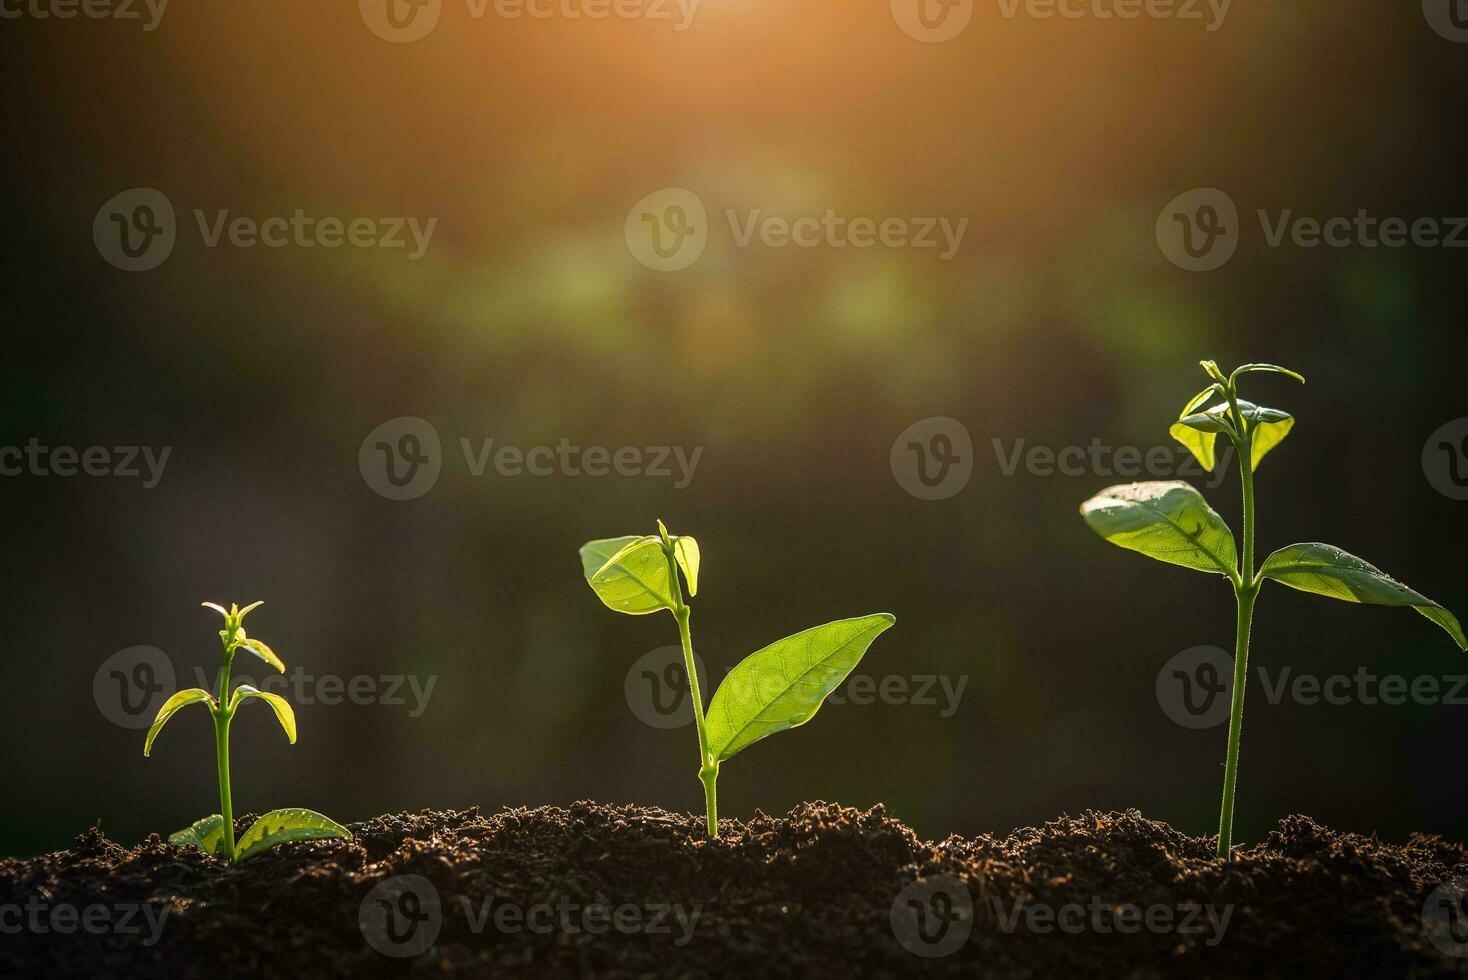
<point>626,891</point>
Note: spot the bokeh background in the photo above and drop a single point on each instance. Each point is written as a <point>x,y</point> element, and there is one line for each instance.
<point>528,321</point>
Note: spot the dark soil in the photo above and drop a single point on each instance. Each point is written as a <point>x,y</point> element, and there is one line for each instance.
<point>626,891</point>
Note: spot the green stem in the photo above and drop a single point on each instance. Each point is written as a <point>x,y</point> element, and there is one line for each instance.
<point>708,769</point>
<point>222,718</point>
<point>1235,721</point>
<point>1246,590</point>
<point>226,808</point>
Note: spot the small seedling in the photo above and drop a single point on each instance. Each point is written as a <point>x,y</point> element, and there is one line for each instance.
<point>1173,523</point>
<point>771,690</point>
<point>215,833</point>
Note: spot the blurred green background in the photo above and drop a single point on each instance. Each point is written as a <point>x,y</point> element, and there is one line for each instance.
<point>528,321</point>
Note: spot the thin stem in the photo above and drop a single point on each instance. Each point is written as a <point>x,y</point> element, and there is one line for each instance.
<point>226,807</point>
<point>222,718</point>
<point>1245,599</point>
<point>708,769</point>
<point>1246,590</point>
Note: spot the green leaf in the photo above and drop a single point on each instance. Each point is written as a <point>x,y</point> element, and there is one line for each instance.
<point>281,826</point>
<point>1168,521</point>
<point>217,608</point>
<point>595,554</point>
<point>634,580</point>
<point>260,650</point>
<point>170,707</point>
<point>1265,434</point>
<point>1269,368</point>
<point>1200,444</point>
<point>783,685</point>
<point>685,550</point>
<point>1327,570</point>
<point>1269,427</point>
<point>280,705</point>
<point>254,605</point>
<point>1213,372</point>
<point>207,835</point>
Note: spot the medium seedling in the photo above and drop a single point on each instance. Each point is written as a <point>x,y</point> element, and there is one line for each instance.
<point>771,690</point>
<point>215,833</point>
<point>1172,522</point>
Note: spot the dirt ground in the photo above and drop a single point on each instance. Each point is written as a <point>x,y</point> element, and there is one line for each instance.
<point>626,891</point>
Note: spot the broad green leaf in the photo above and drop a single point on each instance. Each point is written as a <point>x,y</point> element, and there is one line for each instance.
<point>207,835</point>
<point>1200,444</point>
<point>1266,434</point>
<point>783,685</point>
<point>280,826</point>
<point>280,705</point>
<point>685,550</point>
<point>170,707</point>
<point>1270,368</point>
<point>595,554</point>
<point>1327,570</point>
<point>260,650</point>
<point>635,579</point>
<point>1168,521</point>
